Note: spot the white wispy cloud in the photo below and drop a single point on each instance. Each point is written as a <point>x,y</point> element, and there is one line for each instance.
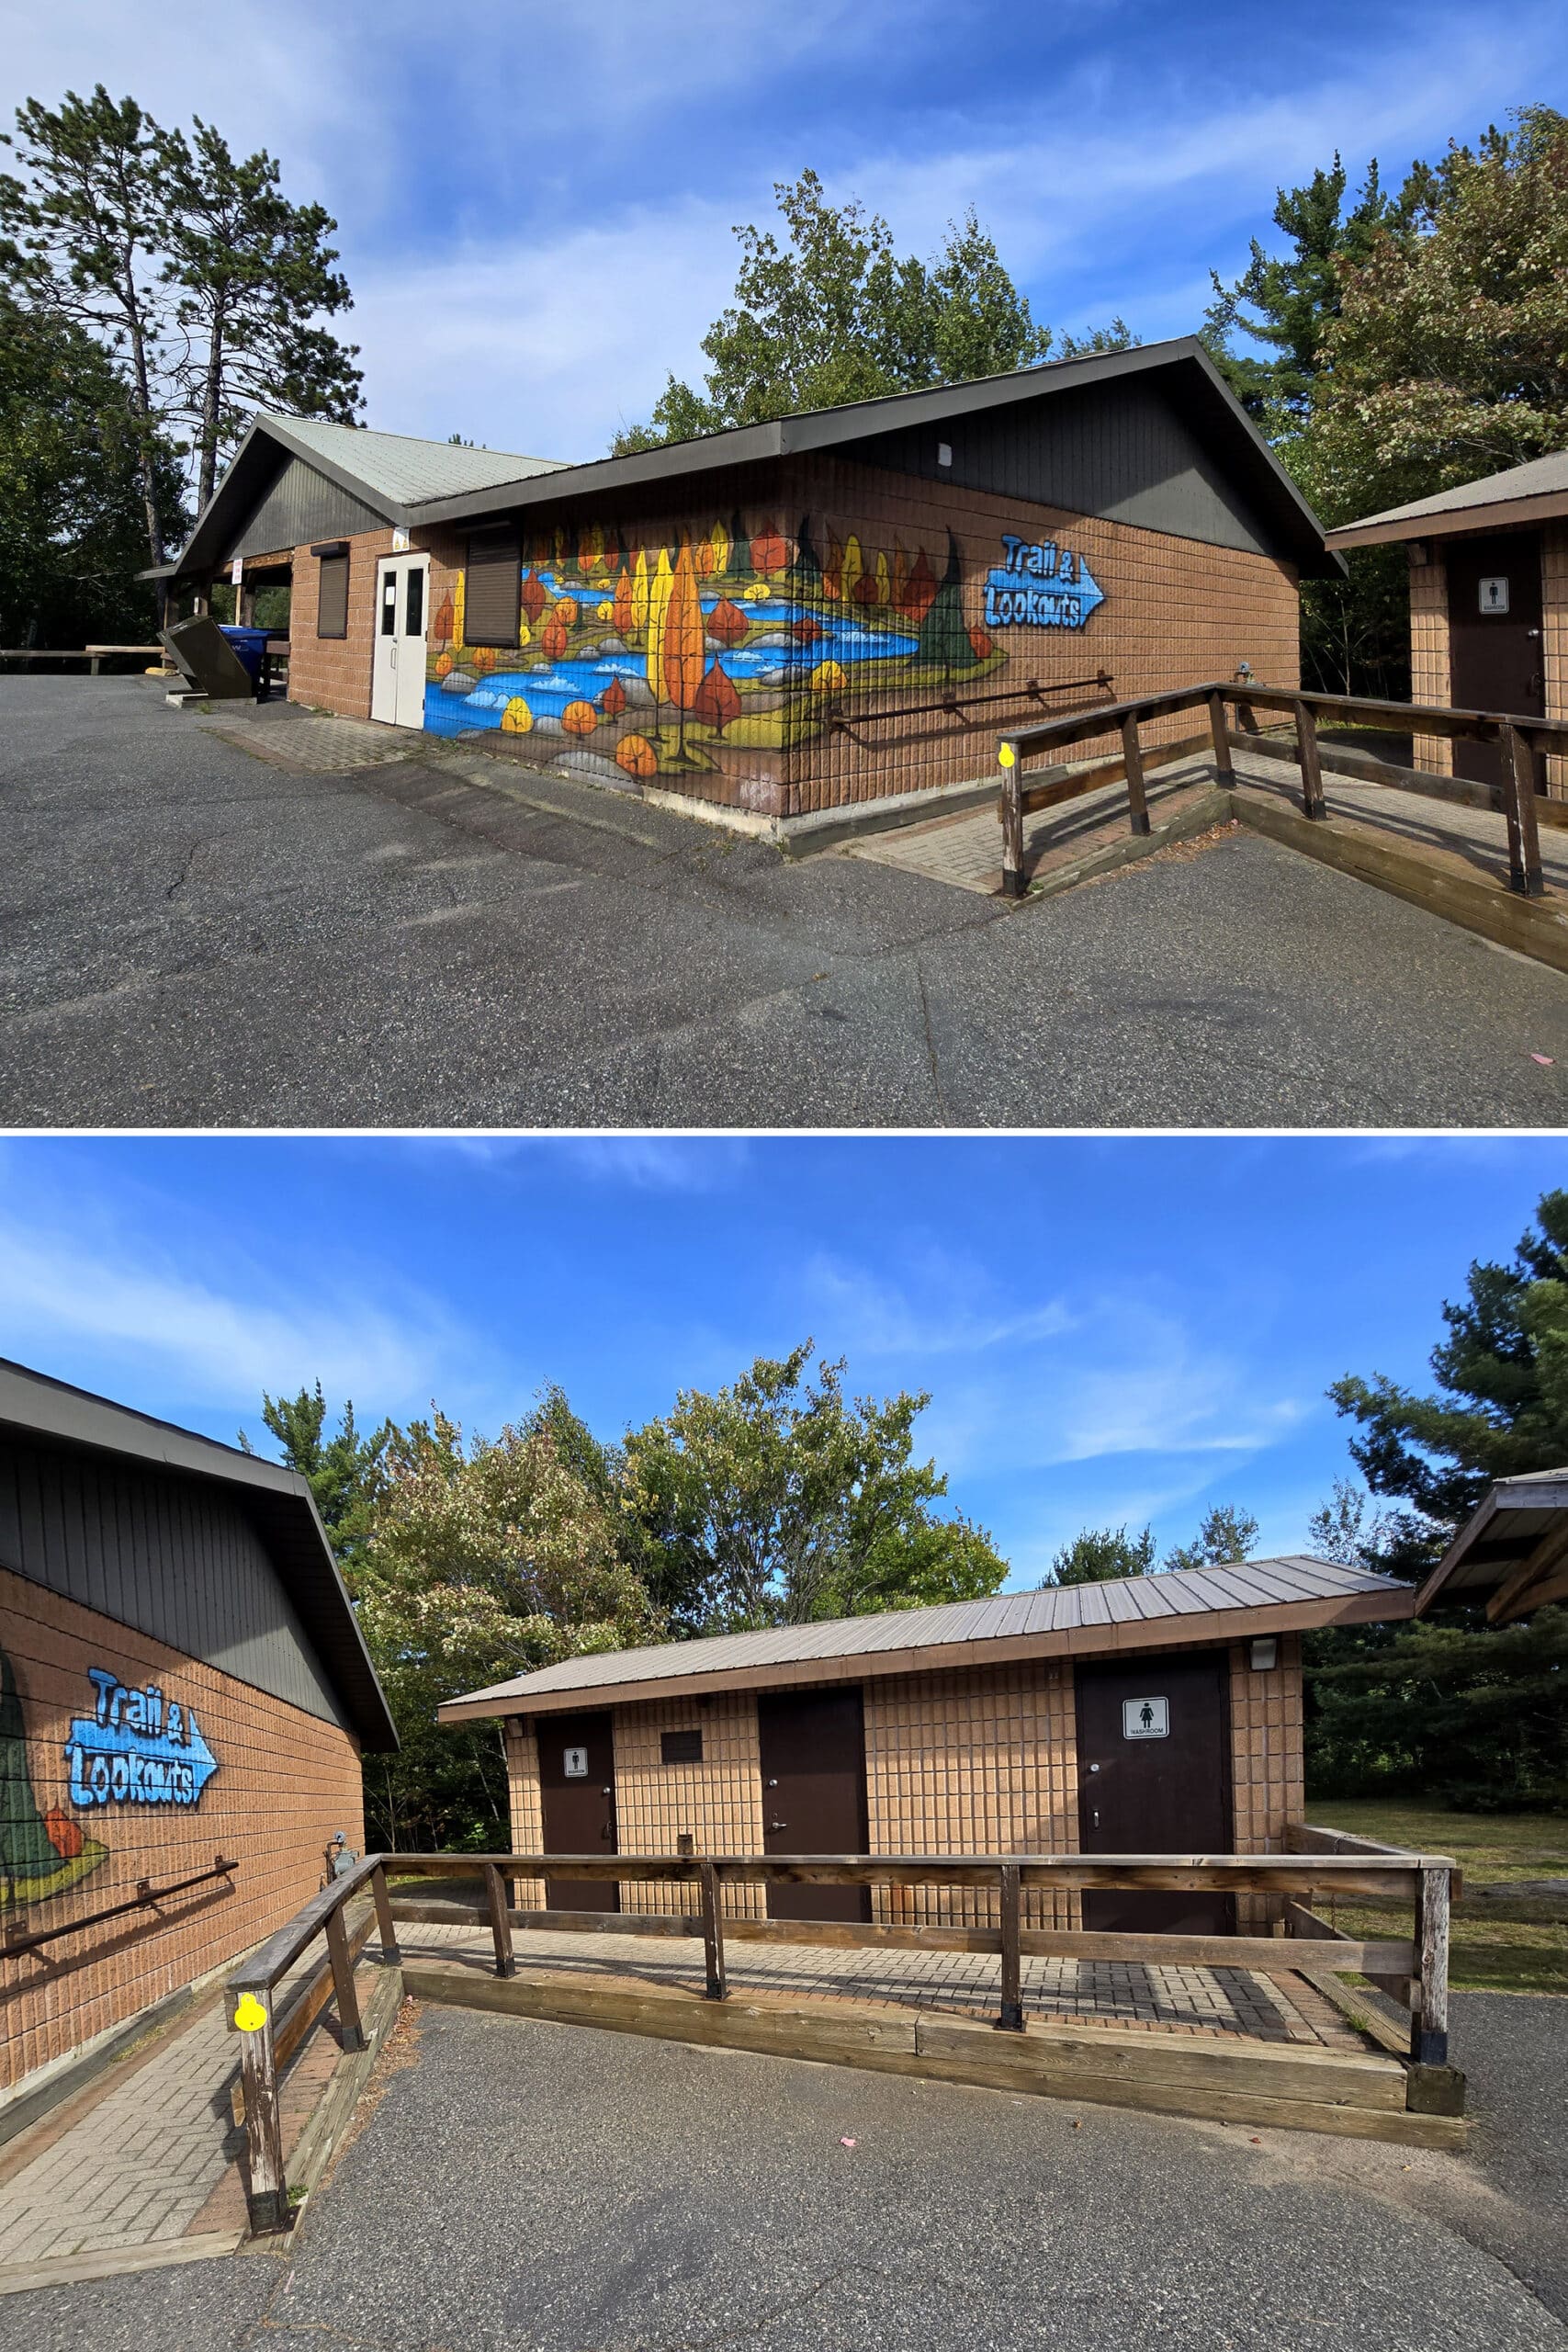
<point>944,1304</point>
<point>219,1337</point>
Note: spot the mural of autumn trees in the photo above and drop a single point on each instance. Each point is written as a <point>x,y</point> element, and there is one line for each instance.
<point>696,653</point>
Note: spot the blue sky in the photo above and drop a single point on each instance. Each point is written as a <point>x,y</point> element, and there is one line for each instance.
<point>1111,1330</point>
<point>537,198</point>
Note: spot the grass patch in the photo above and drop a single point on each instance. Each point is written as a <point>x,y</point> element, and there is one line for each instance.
<point>1499,1944</point>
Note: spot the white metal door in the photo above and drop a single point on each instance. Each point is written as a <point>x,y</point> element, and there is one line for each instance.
<point>397,674</point>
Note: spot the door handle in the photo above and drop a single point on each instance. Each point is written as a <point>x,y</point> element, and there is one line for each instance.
<point>777,1825</point>
<point>1094,1818</point>
<point>608,1831</point>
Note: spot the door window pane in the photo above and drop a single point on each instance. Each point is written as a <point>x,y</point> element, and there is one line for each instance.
<point>413,623</point>
<point>388,603</point>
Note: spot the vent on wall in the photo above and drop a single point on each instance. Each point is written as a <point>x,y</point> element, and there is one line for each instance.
<point>681,1747</point>
<point>332,595</point>
<point>491,601</point>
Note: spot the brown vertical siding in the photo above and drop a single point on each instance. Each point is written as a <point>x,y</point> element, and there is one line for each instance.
<point>285,1781</point>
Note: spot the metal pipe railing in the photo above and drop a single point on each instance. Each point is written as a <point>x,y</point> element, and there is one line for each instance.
<point>147,1896</point>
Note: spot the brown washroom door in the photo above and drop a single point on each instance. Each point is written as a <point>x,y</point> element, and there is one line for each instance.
<point>577,1787</point>
<point>812,1746</point>
<point>1496,660</point>
<point>1145,1791</point>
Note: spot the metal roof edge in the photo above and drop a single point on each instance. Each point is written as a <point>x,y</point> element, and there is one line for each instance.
<point>1397,524</point>
<point>742,444</point>
<point>1380,1598</point>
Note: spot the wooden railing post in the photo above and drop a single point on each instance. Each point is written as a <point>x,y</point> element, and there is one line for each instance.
<point>1429,2021</point>
<point>1013,884</point>
<point>1012,2017</point>
<point>500,1921</point>
<point>1131,753</point>
<point>343,1981</point>
<point>1518,800</point>
<point>1310,764</point>
<point>1222,760</point>
<point>267,2192</point>
<point>385,1924</point>
<point>713,1932</point>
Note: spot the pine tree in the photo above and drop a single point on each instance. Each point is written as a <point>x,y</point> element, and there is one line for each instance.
<point>945,640</point>
<point>26,1847</point>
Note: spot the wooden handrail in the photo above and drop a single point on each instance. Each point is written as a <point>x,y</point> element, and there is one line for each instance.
<point>266,2042</point>
<point>1517,734</point>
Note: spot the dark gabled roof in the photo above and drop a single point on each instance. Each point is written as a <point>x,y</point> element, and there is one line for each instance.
<point>1513,1547</point>
<point>1522,494</point>
<point>277,1502</point>
<point>394,473</point>
<point>1185,1605</point>
<point>413,496</point>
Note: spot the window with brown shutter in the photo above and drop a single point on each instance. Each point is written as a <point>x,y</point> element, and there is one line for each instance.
<point>332,597</point>
<point>491,602</point>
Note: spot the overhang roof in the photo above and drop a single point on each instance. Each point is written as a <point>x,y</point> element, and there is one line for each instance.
<point>1532,492</point>
<point>1513,1547</point>
<point>278,1503</point>
<point>405,480</point>
<point>1133,1612</point>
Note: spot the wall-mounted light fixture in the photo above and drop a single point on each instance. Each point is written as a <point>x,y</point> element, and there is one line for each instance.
<point>945,452</point>
<point>1265,1653</point>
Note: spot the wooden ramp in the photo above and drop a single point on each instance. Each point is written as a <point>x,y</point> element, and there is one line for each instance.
<point>1342,2084</point>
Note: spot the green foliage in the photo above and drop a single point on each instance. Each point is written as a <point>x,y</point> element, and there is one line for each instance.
<point>833,313</point>
<point>1461,1710</point>
<point>252,276</point>
<point>1413,341</point>
<point>1449,354</point>
<point>1502,1400</point>
<point>202,287</point>
<point>343,1471</point>
<point>80,240</point>
<point>72,522</point>
<point>1223,1534</point>
<point>487,1558</point>
<point>778,1501</point>
<point>1475,1713</point>
<point>1100,1555</point>
<point>1287,302</point>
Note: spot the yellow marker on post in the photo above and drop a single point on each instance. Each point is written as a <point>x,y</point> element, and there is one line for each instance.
<point>249,2013</point>
<point>1006,755</point>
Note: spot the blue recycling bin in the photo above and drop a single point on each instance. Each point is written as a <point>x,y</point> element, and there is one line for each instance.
<point>250,645</point>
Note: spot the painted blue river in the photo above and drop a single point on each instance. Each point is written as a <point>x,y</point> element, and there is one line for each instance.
<point>548,691</point>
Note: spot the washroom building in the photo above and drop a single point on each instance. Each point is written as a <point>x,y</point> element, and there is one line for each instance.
<point>1150,1716</point>
<point>775,623</point>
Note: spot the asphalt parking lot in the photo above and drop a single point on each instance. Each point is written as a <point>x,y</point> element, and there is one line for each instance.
<point>518,2186</point>
<point>194,935</point>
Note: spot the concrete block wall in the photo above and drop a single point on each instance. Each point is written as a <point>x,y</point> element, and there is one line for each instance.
<point>971,1760</point>
<point>1555,636</point>
<point>1175,611</point>
<point>333,672</point>
<point>285,1781</point>
<point>1429,651</point>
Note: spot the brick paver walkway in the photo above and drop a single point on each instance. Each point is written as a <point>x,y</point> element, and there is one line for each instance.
<point>154,2154</point>
<point>1236,2002</point>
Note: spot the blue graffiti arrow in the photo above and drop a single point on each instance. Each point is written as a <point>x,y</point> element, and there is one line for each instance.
<point>1089,592</point>
<point>111,1764</point>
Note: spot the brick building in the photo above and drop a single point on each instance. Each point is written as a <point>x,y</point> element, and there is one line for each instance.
<point>1488,605</point>
<point>1158,1714</point>
<point>787,619</point>
<point>183,1685</point>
